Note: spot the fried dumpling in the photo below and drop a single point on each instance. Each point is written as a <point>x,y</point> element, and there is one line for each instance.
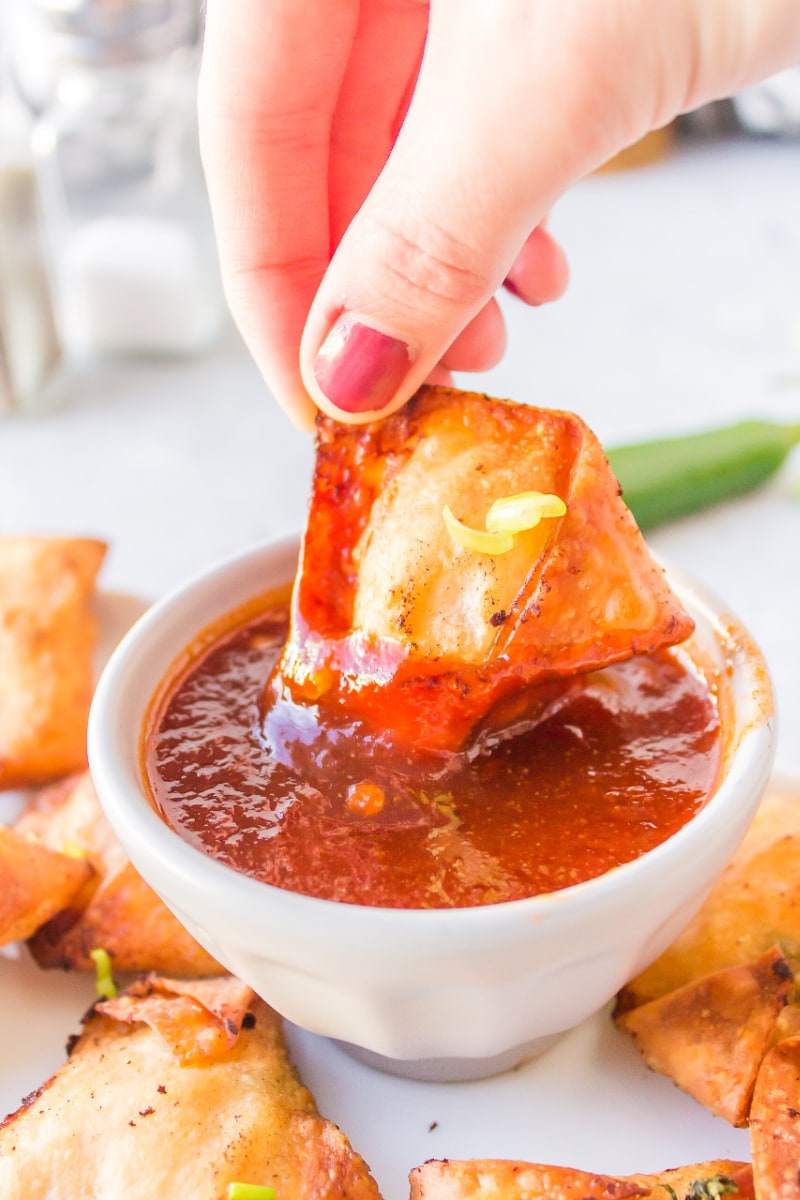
<point>479,1179</point>
<point>47,639</point>
<point>129,1115</point>
<point>37,883</point>
<point>114,908</point>
<point>399,615</point>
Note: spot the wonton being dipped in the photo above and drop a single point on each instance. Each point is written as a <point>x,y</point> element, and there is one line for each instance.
<point>395,613</point>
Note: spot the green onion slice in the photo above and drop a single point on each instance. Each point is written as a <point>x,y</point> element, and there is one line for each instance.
<point>104,982</point>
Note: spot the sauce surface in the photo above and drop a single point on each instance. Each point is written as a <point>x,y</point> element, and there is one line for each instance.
<point>308,801</point>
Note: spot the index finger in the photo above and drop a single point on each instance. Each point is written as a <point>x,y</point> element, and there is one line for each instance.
<point>269,83</point>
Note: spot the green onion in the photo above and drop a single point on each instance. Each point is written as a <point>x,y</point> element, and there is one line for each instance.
<point>73,850</point>
<point>671,477</point>
<point>104,982</point>
<point>249,1191</point>
<point>712,1189</point>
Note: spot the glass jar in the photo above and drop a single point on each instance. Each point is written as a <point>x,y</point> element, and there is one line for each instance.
<point>29,347</point>
<point>126,210</point>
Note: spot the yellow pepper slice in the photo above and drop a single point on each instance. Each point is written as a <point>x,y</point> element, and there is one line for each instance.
<point>476,539</point>
<point>507,516</point>
<point>513,514</point>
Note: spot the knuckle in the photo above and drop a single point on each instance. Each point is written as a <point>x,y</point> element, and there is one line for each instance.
<point>432,265</point>
<point>248,283</point>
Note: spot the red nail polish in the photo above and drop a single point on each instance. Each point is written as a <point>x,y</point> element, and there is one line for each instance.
<point>358,368</point>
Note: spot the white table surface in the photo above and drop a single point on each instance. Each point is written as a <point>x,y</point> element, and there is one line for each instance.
<point>683,312</point>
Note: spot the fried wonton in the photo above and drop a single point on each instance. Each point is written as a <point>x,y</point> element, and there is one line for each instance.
<point>754,905</point>
<point>123,1118</point>
<point>496,1179</point>
<point>199,1019</point>
<point>36,884</point>
<point>702,1181</point>
<point>47,638</point>
<point>711,1035</point>
<point>116,909</point>
<point>707,1011</point>
<point>420,633</point>
<point>775,1123</point>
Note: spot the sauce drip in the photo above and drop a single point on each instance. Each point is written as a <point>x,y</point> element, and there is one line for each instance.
<point>310,801</point>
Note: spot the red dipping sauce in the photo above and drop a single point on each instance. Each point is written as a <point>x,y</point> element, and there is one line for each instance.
<point>311,802</point>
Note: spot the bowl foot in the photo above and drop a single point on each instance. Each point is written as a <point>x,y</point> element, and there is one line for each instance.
<point>452,1070</point>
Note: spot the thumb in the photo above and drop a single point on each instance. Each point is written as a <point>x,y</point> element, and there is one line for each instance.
<point>476,166</point>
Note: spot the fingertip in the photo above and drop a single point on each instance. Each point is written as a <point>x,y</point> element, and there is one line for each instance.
<point>359,372</point>
<point>288,392</point>
<point>440,377</point>
<point>481,344</point>
<point>302,412</point>
<point>540,272</point>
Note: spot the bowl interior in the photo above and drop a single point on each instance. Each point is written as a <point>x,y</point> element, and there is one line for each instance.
<point>720,647</point>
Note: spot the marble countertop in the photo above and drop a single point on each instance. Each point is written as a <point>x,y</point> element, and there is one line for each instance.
<point>683,312</point>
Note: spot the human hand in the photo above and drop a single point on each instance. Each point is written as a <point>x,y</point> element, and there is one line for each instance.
<point>378,169</point>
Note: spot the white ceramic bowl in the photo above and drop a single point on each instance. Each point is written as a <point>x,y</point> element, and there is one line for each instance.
<point>441,994</point>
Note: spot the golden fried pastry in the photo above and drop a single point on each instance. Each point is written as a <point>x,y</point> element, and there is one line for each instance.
<point>458,552</point>
<point>775,1124</point>
<point>711,1035</point>
<point>199,1019</point>
<point>37,882</point>
<point>47,639</point>
<point>124,1118</point>
<point>116,909</point>
<point>498,1179</point>
<point>708,1010</point>
<point>753,906</point>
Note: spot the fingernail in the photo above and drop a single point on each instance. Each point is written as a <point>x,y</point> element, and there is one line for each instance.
<point>358,368</point>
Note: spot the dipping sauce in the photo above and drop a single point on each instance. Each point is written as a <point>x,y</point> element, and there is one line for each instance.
<point>308,801</point>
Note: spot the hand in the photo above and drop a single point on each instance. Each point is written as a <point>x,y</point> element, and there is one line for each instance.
<point>378,169</point>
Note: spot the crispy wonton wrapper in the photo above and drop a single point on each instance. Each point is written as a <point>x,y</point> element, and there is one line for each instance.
<point>707,1011</point>
<point>711,1035</point>
<point>775,1123</point>
<point>36,884</point>
<point>752,907</point>
<point>116,909</point>
<point>386,599</point>
<point>199,1019</point>
<point>123,1118</point>
<point>497,1179</point>
<point>47,638</point>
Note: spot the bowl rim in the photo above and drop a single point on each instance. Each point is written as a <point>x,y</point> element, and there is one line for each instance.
<point>241,897</point>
